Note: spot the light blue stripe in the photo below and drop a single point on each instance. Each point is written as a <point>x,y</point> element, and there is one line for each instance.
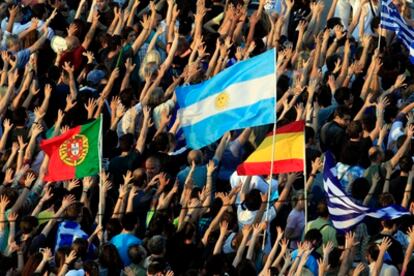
<point>212,128</point>
<point>253,68</point>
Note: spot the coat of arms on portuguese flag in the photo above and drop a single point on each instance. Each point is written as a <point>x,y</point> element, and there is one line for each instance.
<point>75,153</point>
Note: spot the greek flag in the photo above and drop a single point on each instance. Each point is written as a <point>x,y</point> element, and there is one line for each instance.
<point>343,211</point>
<point>241,96</point>
<point>392,20</point>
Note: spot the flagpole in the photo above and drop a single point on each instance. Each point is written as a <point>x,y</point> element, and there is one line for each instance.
<point>269,190</point>
<point>101,197</point>
<point>305,178</point>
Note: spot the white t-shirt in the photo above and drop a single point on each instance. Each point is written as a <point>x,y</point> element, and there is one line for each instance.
<point>386,270</point>
<point>257,182</point>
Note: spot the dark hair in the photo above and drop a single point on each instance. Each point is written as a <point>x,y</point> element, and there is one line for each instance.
<point>309,133</point>
<point>246,267</point>
<point>91,268</point>
<point>342,111</point>
<point>81,247</point>
<point>342,94</point>
<point>253,200</point>
<point>32,263</point>
<point>125,142</point>
<point>322,209</point>
<point>136,254</point>
<point>110,259</point>
<point>113,227</point>
<point>360,188</point>
<point>19,116</point>
<point>313,235</point>
<point>129,221</point>
<point>161,142</point>
<point>373,251</point>
<point>74,210</point>
<point>405,163</point>
<point>127,96</point>
<point>28,223</point>
<point>388,223</point>
<point>156,267</point>
<point>354,129</point>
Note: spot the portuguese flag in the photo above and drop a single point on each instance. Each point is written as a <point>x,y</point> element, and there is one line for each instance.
<point>288,156</point>
<point>75,153</point>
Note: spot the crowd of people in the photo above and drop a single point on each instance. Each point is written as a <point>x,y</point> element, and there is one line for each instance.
<point>159,208</point>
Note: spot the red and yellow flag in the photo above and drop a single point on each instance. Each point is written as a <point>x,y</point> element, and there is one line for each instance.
<point>288,156</point>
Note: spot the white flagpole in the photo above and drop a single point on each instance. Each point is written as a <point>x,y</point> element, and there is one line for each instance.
<point>269,190</point>
<point>305,178</point>
<point>380,29</point>
<point>101,195</point>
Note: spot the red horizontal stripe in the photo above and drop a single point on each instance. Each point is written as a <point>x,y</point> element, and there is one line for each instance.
<point>297,126</point>
<point>263,168</point>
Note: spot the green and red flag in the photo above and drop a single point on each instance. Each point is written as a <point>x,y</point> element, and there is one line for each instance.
<point>75,153</point>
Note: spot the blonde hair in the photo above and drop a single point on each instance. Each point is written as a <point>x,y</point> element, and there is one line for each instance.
<point>151,61</point>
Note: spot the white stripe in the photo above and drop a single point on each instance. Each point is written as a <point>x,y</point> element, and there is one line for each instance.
<point>337,192</point>
<point>340,212</point>
<point>239,95</point>
<point>348,223</point>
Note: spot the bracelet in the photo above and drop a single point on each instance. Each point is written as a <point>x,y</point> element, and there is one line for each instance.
<point>387,179</point>
<point>313,175</point>
<point>66,264</point>
<point>409,191</point>
<point>85,191</point>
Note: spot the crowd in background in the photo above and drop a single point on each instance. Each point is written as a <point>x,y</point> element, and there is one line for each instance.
<point>160,208</point>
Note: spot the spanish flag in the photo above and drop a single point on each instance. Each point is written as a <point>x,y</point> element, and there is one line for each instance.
<point>288,156</point>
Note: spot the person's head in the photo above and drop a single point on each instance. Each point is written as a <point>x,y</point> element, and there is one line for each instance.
<point>126,142</point>
<point>140,177</point>
<point>91,268</point>
<point>156,97</point>
<point>113,227</point>
<point>389,225</point>
<point>253,200</point>
<point>109,257</point>
<point>13,43</point>
<point>405,164</point>
<point>309,135</point>
<point>156,268</point>
<point>246,267</point>
<point>102,5</point>
<point>360,188</point>
<point>375,154</point>
<point>314,236</point>
<point>129,35</point>
<point>129,222</point>
<point>152,166</point>
<point>157,245</point>
<point>74,211</point>
<point>80,246</point>
<point>344,96</point>
<point>386,199</point>
<point>195,156</point>
<point>354,130</point>
<point>28,224</point>
<point>299,200</point>
<point>322,210</point>
<point>72,42</point>
<point>127,97</point>
<point>372,252</point>
<point>137,254</point>
<point>161,143</point>
<point>342,116</point>
<point>150,64</point>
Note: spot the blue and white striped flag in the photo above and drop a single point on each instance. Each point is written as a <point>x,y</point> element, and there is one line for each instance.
<point>392,20</point>
<point>343,211</point>
<point>241,96</point>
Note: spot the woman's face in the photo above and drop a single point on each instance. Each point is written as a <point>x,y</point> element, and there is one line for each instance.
<point>131,37</point>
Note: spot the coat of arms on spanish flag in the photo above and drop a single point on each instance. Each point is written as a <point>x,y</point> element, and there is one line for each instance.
<point>75,153</point>
<point>289,152</point>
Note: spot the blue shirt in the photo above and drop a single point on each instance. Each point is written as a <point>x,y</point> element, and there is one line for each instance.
<point>199,176</point>
<point>123,242</point>
<point>311,263</point>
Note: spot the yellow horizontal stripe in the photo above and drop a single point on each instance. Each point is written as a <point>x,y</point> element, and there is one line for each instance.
<point>287,146</point>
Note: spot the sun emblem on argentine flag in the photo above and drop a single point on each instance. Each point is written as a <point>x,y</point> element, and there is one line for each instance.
<point>222,100</point>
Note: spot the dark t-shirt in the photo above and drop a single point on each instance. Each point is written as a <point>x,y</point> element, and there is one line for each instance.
<point>119,165</point>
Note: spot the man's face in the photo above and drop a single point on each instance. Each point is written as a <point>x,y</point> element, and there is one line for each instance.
<point>344,121</point>
<point>102,5</point>
<point>152,168</point>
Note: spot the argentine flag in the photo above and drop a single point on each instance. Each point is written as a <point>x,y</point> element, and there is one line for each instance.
<point>241,96</point>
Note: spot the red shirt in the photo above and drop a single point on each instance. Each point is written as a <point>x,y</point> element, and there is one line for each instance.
<point>74,57</point>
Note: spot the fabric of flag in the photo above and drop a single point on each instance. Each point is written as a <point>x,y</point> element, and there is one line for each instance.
<point>74,154</point>
<point>240,96</point>
<point>288,152</point>
<point>343,211</point>
<point>392,20</point>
